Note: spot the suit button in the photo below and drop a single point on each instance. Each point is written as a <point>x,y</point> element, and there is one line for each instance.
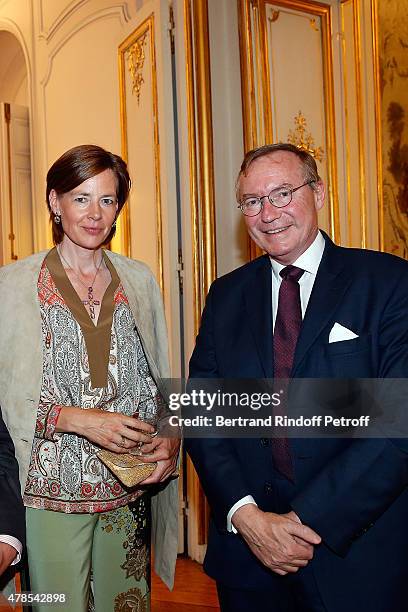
<point>362,531</point>
<point>265,442</point>
<point>268,488</point>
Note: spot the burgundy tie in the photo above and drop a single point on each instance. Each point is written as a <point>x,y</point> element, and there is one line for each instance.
<point>285,336</point>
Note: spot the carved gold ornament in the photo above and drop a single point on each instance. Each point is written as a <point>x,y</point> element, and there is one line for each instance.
<point>303,139</point>
<point>136,57</point>
<point>275,16</point>
<point>314,25</point>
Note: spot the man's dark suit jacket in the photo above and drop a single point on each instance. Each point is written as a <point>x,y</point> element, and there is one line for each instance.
<point>12,520</point>
<point>353,493</point>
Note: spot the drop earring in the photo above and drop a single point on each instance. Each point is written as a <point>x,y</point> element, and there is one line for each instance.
<point>57,217</point>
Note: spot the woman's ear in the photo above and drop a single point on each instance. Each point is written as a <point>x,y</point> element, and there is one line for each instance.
<point>53,200</point>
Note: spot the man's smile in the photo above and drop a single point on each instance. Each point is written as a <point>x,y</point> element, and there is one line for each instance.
<point>277,230</point>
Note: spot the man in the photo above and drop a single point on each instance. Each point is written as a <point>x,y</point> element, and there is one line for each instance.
<point>12,527</point>
<point>310,524</point>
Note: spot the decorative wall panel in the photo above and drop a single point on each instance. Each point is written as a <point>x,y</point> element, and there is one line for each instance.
<point>287,76</point>
<point>391,43</point>
<point>53,14</point>
<point>140,147</point>
<point>79,104</point>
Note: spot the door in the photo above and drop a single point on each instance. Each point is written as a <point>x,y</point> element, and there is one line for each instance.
<point>15,184</point>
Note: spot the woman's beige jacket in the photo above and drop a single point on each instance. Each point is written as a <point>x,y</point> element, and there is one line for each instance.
<point>21,365</point>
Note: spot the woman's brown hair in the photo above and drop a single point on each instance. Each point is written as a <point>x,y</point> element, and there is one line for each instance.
<point>78,165</point>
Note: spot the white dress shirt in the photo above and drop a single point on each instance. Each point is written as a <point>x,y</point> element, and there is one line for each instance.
<point>309,261</point>
<point>6,539</point>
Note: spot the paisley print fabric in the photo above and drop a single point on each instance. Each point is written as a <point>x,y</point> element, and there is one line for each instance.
<point>65,474</point>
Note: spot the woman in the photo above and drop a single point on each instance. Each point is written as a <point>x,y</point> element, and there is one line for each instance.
<point>83,340</point>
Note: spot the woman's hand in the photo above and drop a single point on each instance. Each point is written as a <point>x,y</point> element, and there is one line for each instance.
<point>110,430</point>
<point>165,452</point>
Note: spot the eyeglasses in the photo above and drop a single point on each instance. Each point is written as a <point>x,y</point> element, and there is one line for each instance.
<point>280,197</point>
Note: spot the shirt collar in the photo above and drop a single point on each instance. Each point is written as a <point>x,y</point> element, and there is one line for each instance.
<point>308,261</point>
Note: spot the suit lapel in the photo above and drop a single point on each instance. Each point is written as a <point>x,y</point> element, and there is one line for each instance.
<point>332,281</point>
<point>258,306</point>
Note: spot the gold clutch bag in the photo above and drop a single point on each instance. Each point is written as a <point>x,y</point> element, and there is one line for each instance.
<point>129,469</point>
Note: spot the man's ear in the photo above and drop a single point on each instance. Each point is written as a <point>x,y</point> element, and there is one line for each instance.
<point>319,194</point>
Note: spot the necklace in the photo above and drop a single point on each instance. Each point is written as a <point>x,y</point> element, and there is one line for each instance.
<point>90,302</point>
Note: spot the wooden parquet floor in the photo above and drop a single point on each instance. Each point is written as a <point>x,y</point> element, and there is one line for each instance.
<point>193,591</point>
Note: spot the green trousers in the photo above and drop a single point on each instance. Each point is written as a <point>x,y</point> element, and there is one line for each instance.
<point>97,562</point>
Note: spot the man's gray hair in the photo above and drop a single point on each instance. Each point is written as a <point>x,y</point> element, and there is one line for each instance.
<point>308,162</point>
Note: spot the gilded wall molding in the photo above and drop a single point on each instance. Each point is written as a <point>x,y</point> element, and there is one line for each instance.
<point>146,33</point>
<point>249,119</point>
<point>346,116</point>
<point>205,141</point>
<point>361,139</point>
<point>264,73</point>
<point>256,100</point>
<point>193,170</point>
<point>355,7</point>
<point>378,122</point>
<point>201,156</point>
<point>201,162</point>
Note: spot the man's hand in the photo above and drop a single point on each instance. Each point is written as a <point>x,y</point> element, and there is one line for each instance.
<point>7,555</point>
<point>279,541</point>
<point>165,452</point>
